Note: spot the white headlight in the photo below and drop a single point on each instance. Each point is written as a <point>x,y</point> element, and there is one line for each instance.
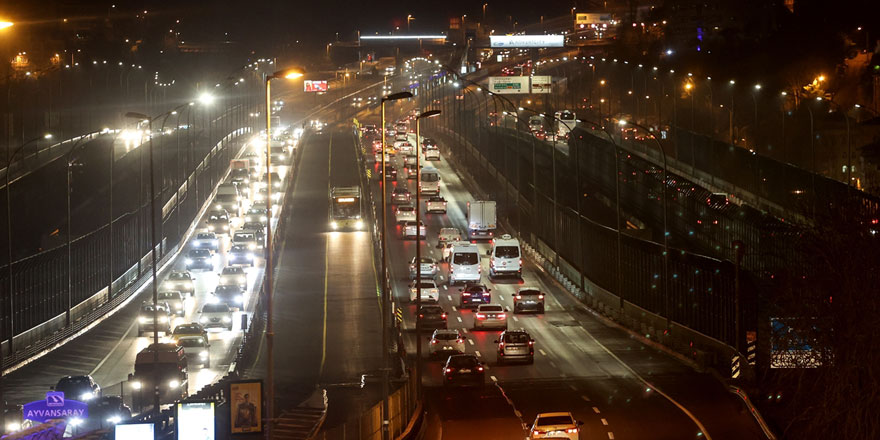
<point>188,285</point>
<point>203,320</point>
<point>252,246</point>
<point>250,256</point>
<point>263,218</point>
<point>227,319</point>
<point>136,385</point>
<point>86,396</point>
<point>178,306</point>
<point>242,279</point>
<point>225,227</point>
<point>211,228</point>
<point>188,261</point>
<point>76,421</point>
<point>239,299</point>
<point>334,225</point>
<point>163,319</point>
<point>359,224</point>
<point>213,300</point>
<point>142,320</point>
<point>203,354</point>
<point>219,206</point>
<point>13,426</point>
<point>114,419</point>
<point>173,384</point>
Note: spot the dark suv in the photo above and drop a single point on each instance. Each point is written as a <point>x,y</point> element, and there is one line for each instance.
<point>515,345</point>
<point>528,299</point>
<point>463,369</point>
<point>474,294</point>
<point>432,316</point>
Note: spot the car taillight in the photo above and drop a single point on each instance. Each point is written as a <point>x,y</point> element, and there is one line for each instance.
<point>540,296</point>
<point>460,340</point>
<point>531,342</point>
<point>481,316</point>
<point>421,315</point>
<point>540,432</point>
<point>479,368</point>
<point>449,370</point>
<point>433,341</point>
<point>500,345</point>
<point>443,315</point>
<point>519,297</point>
<point>465,294</point>
<point>501,316</point>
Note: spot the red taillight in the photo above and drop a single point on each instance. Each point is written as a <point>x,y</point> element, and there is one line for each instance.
<point>540,296</point>
<point>519,297</point>
<point>421,315</point>
<point>531,342</point>
<point>449,370</point>
<point>433,341</point>
<point>481,316</point>
<point>500,345</point>
<point>479,368</point>
<point>460,340</point>
<point>443,315</point>
<point>501,316</point>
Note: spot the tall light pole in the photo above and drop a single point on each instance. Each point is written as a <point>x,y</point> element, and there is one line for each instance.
<point>426,114</point>
<point>665,220</point>
<point>144,118</point>
<point>269,290</point>
<point>386,295</point>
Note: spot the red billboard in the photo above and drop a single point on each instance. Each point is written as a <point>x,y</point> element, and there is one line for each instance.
<point>315,86</point>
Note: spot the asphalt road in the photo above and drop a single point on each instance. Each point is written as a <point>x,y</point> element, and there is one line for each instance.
<point>619,387</point>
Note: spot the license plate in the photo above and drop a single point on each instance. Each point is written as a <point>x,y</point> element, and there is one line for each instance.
<point>464,370</point>
<point>491,316</point>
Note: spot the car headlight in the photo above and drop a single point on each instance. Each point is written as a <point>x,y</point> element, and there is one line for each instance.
<point>188,261</point>
<point>75,421</point>
<point>203,320</point>
<point>211,228</point>
<point>277,185</point>
<point>203,354</point>
<point>219,206</point>
<point>247,180</point>
<point>250,256</point>
<point>235,206</point>
<point>359,224</point>
<point>334,225</point>
<point>238,199</point>
<point>136,385</point>
<point>227,319</point>
<point>239,299</point>
<point>13,426</point>
<point>86,396</point>
<point>142,320</point>
<point>114,420</point>
<point>197,243</point>
<point>242,279</point>
<point>225,227</point>
<point>213,300</point>
<point>188,285</point>
<point>263,218</point>
<point>163,319</point>
<point>173,384</point>
<point>252,246</point>
<point>178,306</point>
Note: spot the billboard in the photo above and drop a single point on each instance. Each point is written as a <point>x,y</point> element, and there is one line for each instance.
<point>310,85</point>
<point>135,431</point>
<point>506,41</point>
<point>591,18</point>
<point>55,406</point>
<point>541,83</point>
<point>246,406</point>
<point>195,421</point>
<point>508,85</point>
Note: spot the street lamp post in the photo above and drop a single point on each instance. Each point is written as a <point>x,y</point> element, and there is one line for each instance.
<point>427,114</point>
<point>269,290</point>
<point>665,220</point>
<point>144,118</point>
<point>386,295</point>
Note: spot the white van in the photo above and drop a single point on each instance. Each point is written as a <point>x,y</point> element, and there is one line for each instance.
<point>430,181</point>
<point>505,257</point>
<point>464,263</point>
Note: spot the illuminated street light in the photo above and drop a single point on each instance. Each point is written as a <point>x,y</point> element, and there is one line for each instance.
<point>757,87</point>
<point>6,24</point>
<point>206,98</point>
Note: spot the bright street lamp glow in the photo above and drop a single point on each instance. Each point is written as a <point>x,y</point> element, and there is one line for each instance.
<point>47,136</point>
<point>206,98</point>
<point>757,87</point>
<point>6,24</point>
<point>621,122</point>
<point>293,75</point>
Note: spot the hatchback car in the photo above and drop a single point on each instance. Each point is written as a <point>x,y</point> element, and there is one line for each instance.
<point>474,295</point>
<point>218,221</point>
<point>400,195</point>
<point>148,320</point>
<point>206,240</point>
<point>405,213</point>
<point>231,295</point>
<point>216,316</point>
<point>445,342</point>
<point>409,230</point>
<point>555,425</point>
<point>390,172</point>
<point>196,350</point>
<point>435,205</point>
<point>174,299</point>
<point>189,329</point>
<point>199,259</point>
<point>81,388</point>
<point>463,369</point>
<point>432,316</point>
<point>233,275</point>
<point>181,281</point>
<point>240,254</point>
<point>490,316</point>
<point>528,299</point>
<point>428,267</point>
<point>431,154</point>
<point>428,290</point>
<point>515,345</point>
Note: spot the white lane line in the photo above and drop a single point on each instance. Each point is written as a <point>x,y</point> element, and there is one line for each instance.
<point>478,353</point>
<point>518,414</point>
<point>573,388</point>
<point>449,297</point>
<point>453,308</point>
<point>112,350</point>
<point>553,364</point>
<point>596,410</point>
<point>494,379</point>
<point>610,435</point>
<point>441,277</point>
<point>543,353</point>
<point>471,341</point>
<point>586,399</point>
<point>464,330</point>
<point>515,319</point>
<point>605,422</point>
<point>501,297</point>
<point>459,318</point>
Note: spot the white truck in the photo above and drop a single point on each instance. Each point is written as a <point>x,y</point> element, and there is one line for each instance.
<point>481,219</point>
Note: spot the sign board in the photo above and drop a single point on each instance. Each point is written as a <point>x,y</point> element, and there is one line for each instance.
<point>541,83</point>
<point>507,41</point>
<point>507,85</point>
<point>591,18</point>
<point>54,407</point>
<point>246,406</point>
<point>195,421</point>
<point>315,85</point>
<point>135,431</point>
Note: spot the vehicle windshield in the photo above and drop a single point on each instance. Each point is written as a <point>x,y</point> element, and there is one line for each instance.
<point>204,236</point>
<point>463,361</point>
<point>517,338</point>
<point>227,288</point>
<point>425,286</point>
<point>238,248</point>
<point>178,276</point>
<point>72,382</point>
<point>187,329</point>
<point>507,251</point>
<point>430,177</point>
<point>406,208</point>
<point>215,308</point>
<point>169,295</point>
<point>345,208</point>
<point>554,420</point>
<point>200,253</point>
<point>465,258</point>
<point>446,336</point>
<point>244,236</point>
<point>232,270</point>
<point>529,292</point>
<point>191,342</point>
<point>217,217</point>
<point>491,309</point>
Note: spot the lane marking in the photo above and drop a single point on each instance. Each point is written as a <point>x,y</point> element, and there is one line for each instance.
<point>453,308</point>
<point>449,297</point>
<point>596,410</point>
<point>471,341</point>
<point>113,350</point>
<point>515,319</point>
<point>459,318</point>
<point>478,353</point>
<point>573,388</point>
<point>586,399</point>
<point>494,379</point>
<point>610,435</point>
<point>553,364</point>
<point>445,288</point>
<point>543,353</point>
<point>605,422</point>
<point>501,297</point>
<point>326,265</point>
<point>518,414</point>
<point>464,330</point>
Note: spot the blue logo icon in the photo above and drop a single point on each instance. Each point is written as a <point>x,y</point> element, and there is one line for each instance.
<point>55,398</point>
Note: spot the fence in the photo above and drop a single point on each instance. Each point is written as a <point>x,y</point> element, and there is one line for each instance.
<point>368,425</point>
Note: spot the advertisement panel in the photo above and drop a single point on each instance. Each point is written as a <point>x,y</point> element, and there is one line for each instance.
<point>541,83</point>
<point>507,85</point>
<point>135,431</point>
<point>195,421</point>
<point>310,85</point>
<point>507,41</point>
<point>55,406</point>
<point>591,18</point>
<point>246,406</point>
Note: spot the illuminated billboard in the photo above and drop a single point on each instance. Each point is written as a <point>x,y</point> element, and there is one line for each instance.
<point>195,421</point>
<point>315,85</point>
<point>135,431</point>
<point>507,85</point>
<point>526,41</point>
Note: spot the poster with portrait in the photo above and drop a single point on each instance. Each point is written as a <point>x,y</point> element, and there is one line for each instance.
<point>246,406</point>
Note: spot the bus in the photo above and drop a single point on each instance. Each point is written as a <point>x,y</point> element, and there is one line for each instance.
<point>565,121</point>
<point>346,209</point>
